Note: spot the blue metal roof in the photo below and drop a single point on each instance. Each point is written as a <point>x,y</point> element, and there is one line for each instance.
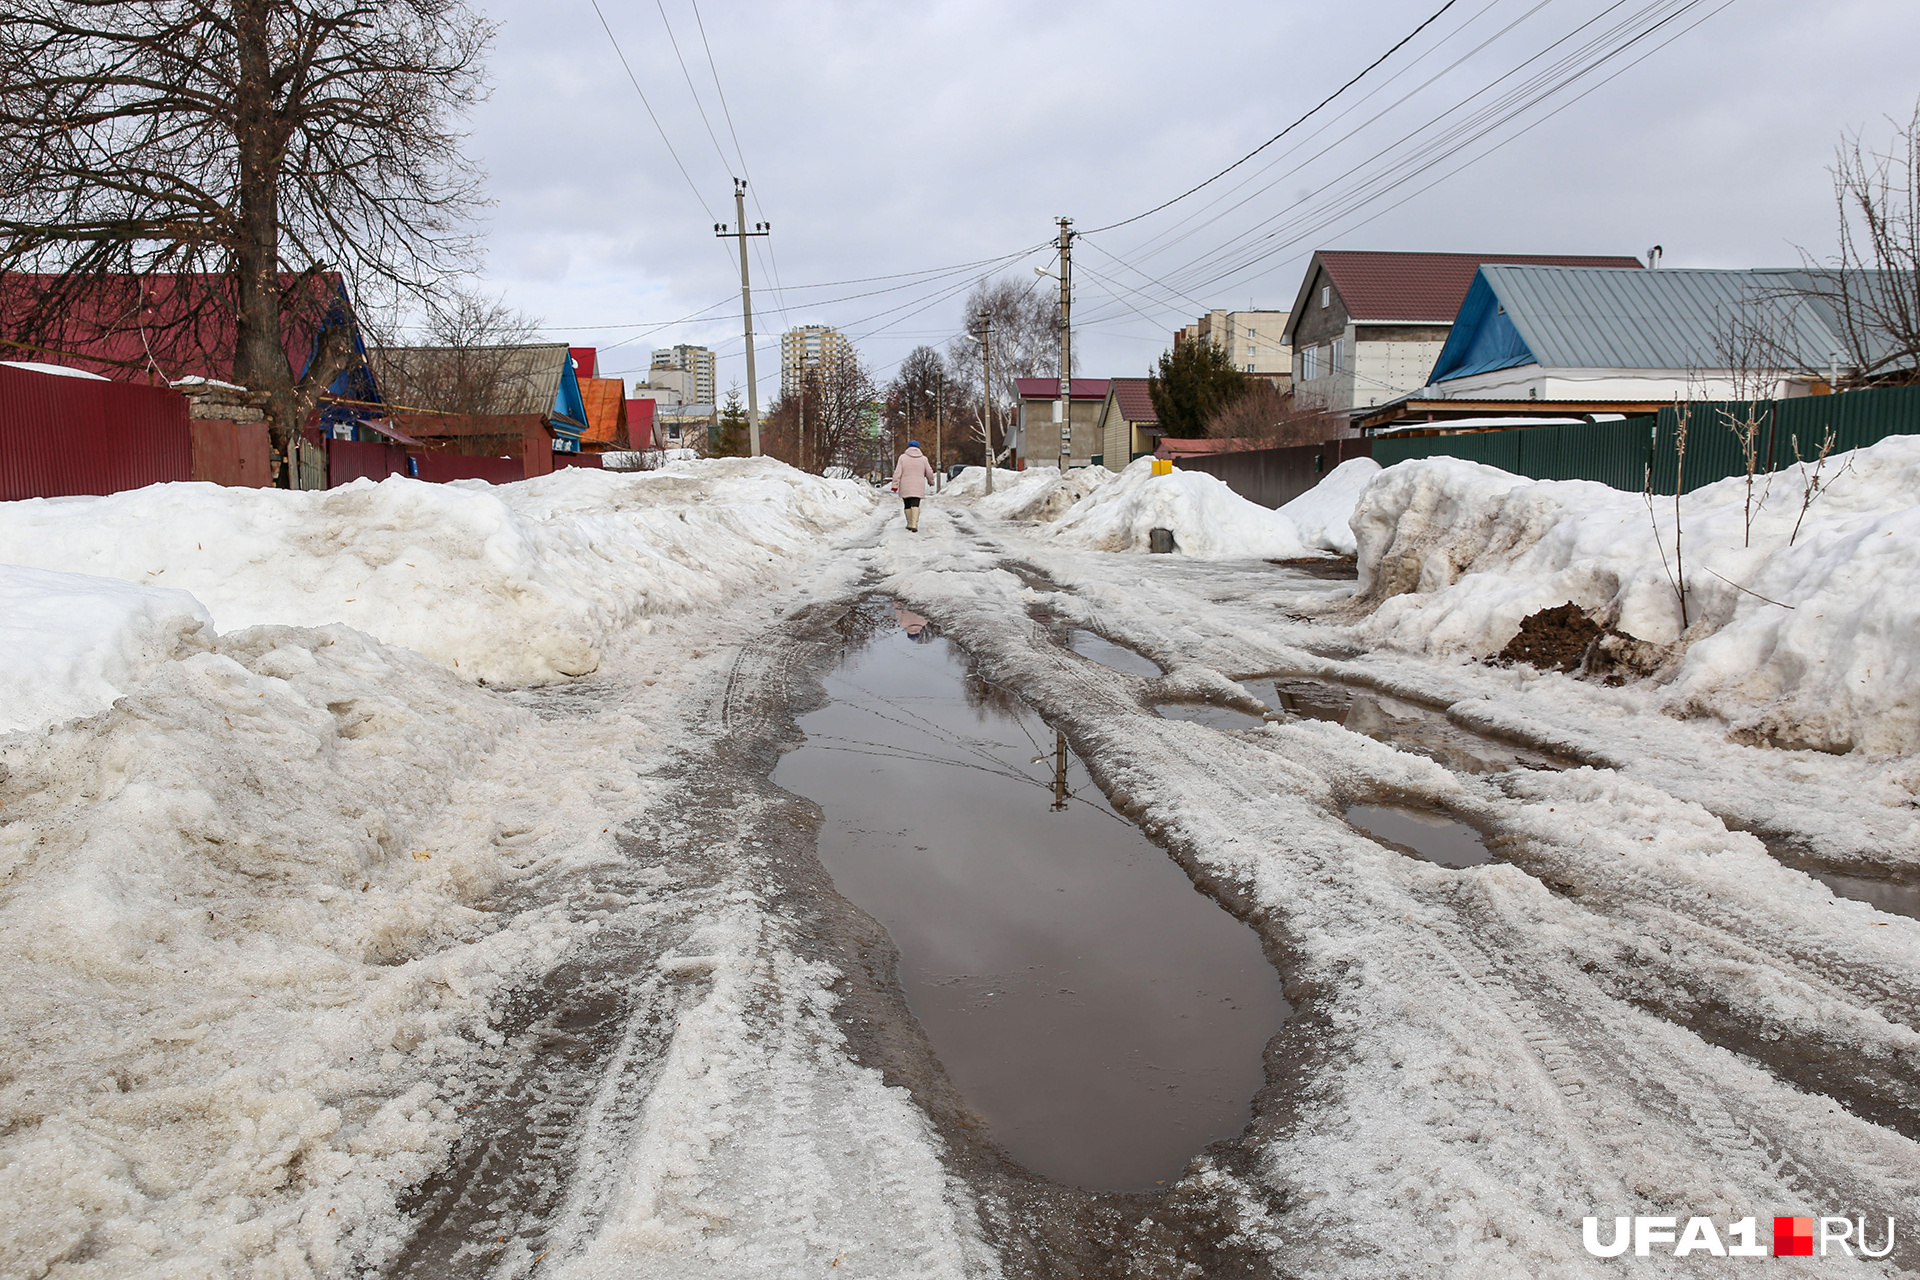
<point>1604,318</point>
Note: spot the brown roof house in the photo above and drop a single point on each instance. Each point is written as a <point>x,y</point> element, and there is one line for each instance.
<point>1127,422</point>
<point>506,401</point>
<point>1366,327</point>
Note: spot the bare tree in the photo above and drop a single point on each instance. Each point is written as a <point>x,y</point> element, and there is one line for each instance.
<point>458,368</point>
<point>249,146</point>
<point>1026,338</point>
<point>825,423</point>
<point>1873,286</point>
<point>1269,418</point>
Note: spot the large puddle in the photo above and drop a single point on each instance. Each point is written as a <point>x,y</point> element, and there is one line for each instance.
<point>1104,1018</point>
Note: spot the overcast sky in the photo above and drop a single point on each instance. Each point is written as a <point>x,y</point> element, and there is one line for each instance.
<point>885,138</point>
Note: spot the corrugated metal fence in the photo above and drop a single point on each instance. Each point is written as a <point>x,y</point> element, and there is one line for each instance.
<point>61,437</point>
<point>1623,454</point>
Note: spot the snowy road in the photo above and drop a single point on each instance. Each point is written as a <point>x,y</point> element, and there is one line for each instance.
<point>610,1018</point>
<point>1634,1009</point>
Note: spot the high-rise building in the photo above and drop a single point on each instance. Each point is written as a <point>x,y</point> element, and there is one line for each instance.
<point>811,346</point>
<point>697,361</point>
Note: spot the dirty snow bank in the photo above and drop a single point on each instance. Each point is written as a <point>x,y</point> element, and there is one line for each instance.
<point>1821,649</point>
<point>1043,493</point>
<point>972,481</point>
<point>1207,518</point>
<point>73,644</point>
<point>239,924</point>
<point>1323,515</point>
<point>519,583</point>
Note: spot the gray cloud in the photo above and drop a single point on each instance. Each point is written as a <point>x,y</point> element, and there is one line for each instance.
<point>886,138</point>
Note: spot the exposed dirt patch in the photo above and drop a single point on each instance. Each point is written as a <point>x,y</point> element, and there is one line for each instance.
<point>1331,568</point>
<point>1564,638</point>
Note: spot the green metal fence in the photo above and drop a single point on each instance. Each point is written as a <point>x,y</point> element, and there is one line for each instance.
<point>1622,454</point>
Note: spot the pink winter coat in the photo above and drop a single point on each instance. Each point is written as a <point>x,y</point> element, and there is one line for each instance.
<point>911,473</point>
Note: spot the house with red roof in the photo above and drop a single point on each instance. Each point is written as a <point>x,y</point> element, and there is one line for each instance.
<point>1367,327</point>
<point>1128,422</point>
<point>165,329</point>
<point>1040,438</point>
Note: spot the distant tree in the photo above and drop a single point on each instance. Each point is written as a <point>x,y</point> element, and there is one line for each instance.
<point>1270,418</point>
<point>452,370</point>
<point>1026,341</point>
<point>823,423</point>
<point>730,437</point>
<point>1194,381</point>
<point>253,144</point>
<point>1874,286</point>
<point>920,388</point>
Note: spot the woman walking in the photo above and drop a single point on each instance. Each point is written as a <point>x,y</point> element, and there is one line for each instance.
<point>910,476</point>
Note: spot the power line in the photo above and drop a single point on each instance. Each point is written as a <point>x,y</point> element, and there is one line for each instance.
<point>1430,20</point>
<point>695,93</point>
<point>611,39</point>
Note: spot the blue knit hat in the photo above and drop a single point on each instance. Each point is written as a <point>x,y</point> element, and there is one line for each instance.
<point>913,444</point>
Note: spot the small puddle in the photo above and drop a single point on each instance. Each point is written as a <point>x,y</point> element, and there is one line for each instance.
<point>1890,896</point>
<point>1104,1018</point>
<point>1108,654</point>
<point>1208,714</point>
<point>1433,837</point>
<point>1895,897</point>
<point>1399,724</point>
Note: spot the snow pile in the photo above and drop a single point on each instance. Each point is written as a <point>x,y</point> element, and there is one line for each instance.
<point>243,953</point>
<point>1043,493</point>
<point>1818,644</point>
<point>73,644</point>
<point>1207,518</point>
<point>519,583</point>
<point>972,481</point>
<point>1323,514</point>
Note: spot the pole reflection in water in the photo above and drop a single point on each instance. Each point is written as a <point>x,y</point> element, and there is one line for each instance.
<point>1103,1018</point>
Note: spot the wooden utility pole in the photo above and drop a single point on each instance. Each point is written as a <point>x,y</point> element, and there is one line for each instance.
<point>986,364</point>
<point>741,233</point>
<point>939,418</point>
<point>1063,412</point>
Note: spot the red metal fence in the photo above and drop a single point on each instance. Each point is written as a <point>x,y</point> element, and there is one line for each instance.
<point>438,468</point>
<point>350,460</point>
<point>62,436</point>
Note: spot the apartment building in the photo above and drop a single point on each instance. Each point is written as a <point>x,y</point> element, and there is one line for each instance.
<point>1254,340</point>
<point>694,362</point>
<point>810,346</point>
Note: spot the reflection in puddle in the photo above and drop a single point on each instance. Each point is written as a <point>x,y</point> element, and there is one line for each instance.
<point>1882,895</point>
<point>1108,654</point>
<point>1398,724</point>
<point>1432,836</point>
<point>1207,714</point>
<point>1105,1019</point>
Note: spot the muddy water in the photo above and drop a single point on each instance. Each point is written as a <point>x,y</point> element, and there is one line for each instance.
<point>1400,724</point>
<point>1108,654</point>
<point>1432,836</point>
<point>1891,896</point>
<point>1104,1018</point>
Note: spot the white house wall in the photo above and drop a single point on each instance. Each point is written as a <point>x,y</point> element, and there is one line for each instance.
<point>1385,371</point>
<point>1531,382</point>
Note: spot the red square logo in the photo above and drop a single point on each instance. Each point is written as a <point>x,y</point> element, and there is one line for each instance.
<point>1793,1237</point>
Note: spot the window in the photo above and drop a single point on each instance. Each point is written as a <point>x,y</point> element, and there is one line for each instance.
<point>1249,367</point>
<point>1326,295</point>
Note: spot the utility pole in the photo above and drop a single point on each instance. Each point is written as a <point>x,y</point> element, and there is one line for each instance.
<point>986,365</point>
<point>741,233</point>
<point>1063,411</point>
<point>939,418</point>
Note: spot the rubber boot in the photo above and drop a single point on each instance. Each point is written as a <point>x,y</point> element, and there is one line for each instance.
<point>913,519</point>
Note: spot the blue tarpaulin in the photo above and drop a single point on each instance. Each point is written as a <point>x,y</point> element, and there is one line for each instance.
<point>1483,337</point>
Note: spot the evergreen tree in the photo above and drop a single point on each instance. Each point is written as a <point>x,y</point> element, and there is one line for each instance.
<point>1195,381</point>
<point>730,441</point>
